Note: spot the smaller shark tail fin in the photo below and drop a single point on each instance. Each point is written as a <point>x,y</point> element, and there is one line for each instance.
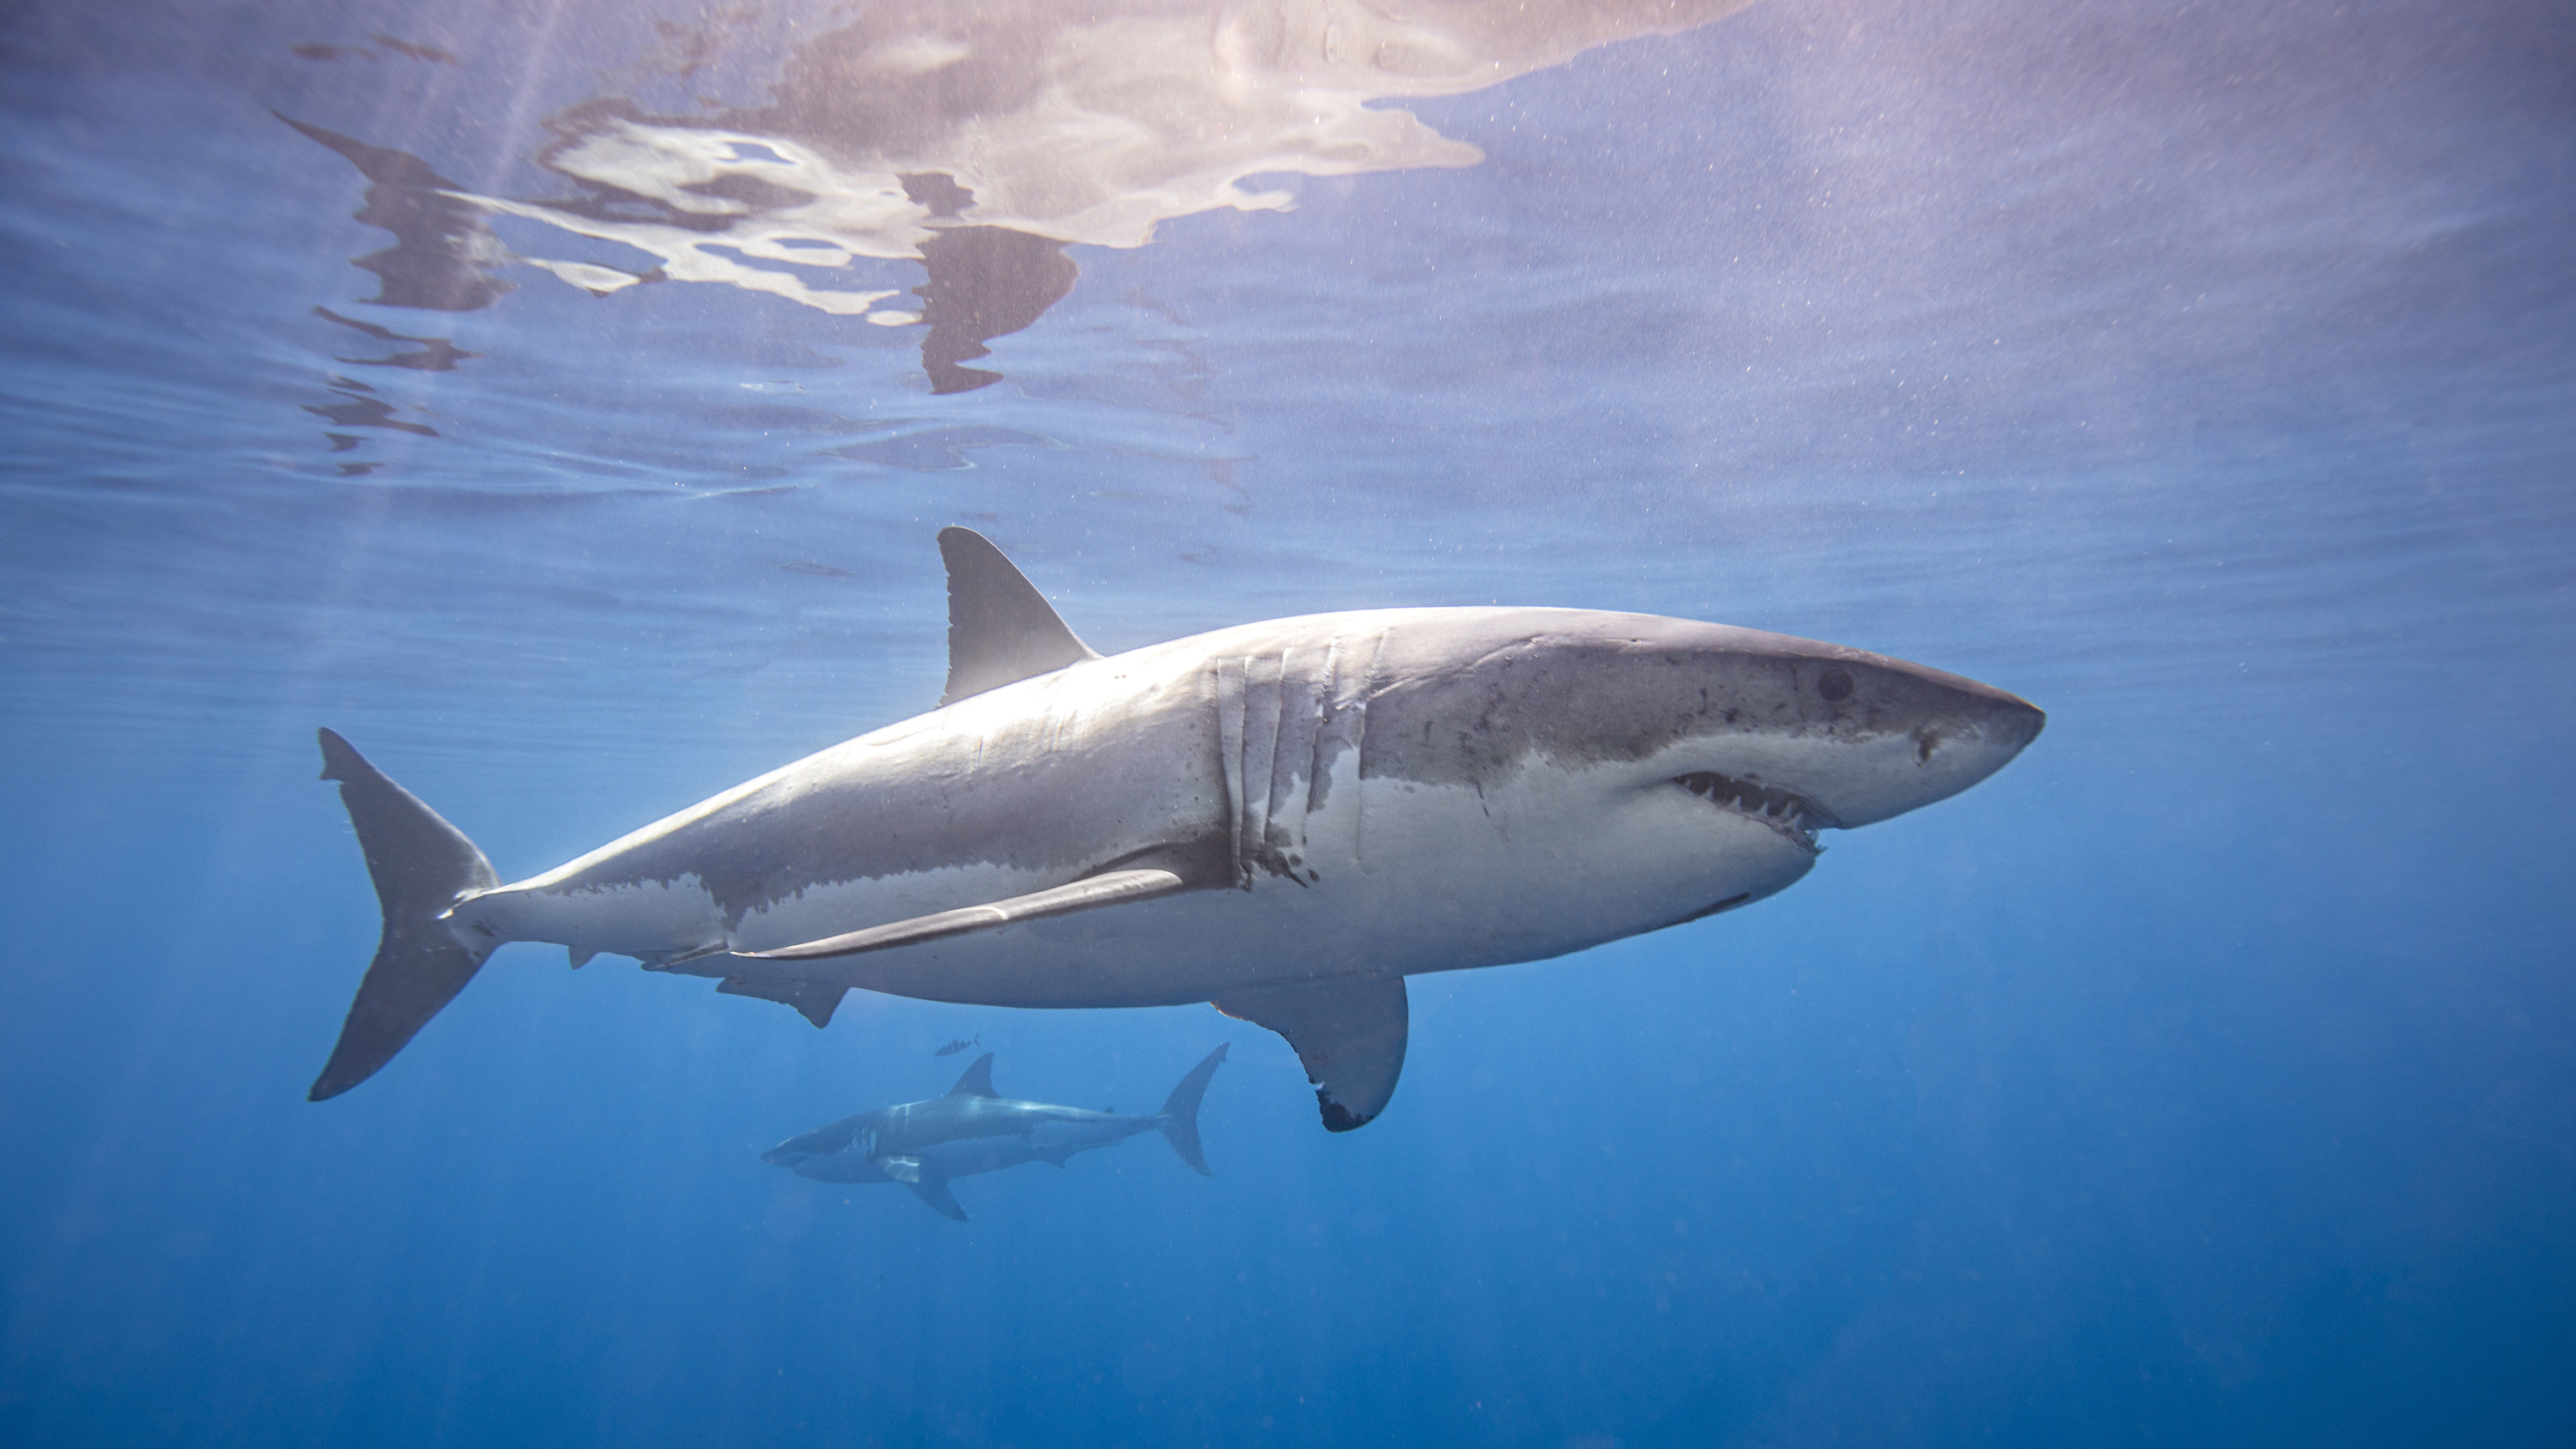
<point>421,865</point>
<point>1181,1112</point>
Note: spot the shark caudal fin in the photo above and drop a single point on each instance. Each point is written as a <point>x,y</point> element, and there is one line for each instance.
<point>1181,1112</point>
<point>422,865</point>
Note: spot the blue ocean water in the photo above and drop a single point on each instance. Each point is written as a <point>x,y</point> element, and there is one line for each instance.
<point>2201,373</point>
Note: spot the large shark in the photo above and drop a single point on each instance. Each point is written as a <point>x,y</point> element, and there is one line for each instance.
<point>1285,819</point>
<point>924,1145</point>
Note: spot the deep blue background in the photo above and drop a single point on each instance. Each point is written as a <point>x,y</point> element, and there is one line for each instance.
<point>2205,1077</point>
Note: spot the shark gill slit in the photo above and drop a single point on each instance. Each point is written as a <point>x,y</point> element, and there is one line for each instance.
<point>1264,682</point>
<point>1280,825</point>
<point>1328,696</point>
<point>1229,750</point>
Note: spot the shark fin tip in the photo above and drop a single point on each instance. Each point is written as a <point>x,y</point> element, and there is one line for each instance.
<point>1338,1118</point>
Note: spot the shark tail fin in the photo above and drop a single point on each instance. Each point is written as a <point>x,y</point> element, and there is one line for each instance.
<point>1181,1112</point>
<point>421,865</point>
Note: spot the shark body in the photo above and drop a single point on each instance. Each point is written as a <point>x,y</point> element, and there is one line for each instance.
<point>1284,818</point>
<point>925,1145</point>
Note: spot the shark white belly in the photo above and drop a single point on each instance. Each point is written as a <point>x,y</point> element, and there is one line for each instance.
<point>1285,818</point>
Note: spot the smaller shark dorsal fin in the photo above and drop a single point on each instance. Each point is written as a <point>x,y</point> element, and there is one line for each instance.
<point>1000,628</point>
<point>978,1081</point>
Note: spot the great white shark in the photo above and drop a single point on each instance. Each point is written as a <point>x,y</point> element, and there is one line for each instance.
<point>926,1145</point>
<point>1285,819</point>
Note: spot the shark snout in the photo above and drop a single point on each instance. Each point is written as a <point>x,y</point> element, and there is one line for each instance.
<point>1952,734</point>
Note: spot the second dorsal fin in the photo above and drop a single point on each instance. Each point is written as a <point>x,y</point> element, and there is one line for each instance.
<point>978,1080</point>
<point>1000,628</point>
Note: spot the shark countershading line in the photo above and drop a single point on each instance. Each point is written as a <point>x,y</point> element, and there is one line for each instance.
<point>926,1145</point>
<point>1284,818</point>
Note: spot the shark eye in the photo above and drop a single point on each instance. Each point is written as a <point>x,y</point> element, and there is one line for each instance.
<point>1835,685</point>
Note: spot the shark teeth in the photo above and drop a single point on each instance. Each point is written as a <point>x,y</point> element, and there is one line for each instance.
<point>1794,816</point>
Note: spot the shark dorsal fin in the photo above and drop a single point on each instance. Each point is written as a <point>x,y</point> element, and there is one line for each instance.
<point>1000,628</point>
<point>978,1081</point>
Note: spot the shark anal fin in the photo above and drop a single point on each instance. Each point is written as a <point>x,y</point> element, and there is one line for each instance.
<point>1349,1032</point>
<point>976,1080</point>
<point>1108,889</point>
<point>905,1170</point>
<point>1000,628</point>
<point>934,1191</point>
<point>817,1000</point>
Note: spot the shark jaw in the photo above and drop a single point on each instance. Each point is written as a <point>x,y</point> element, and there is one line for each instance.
<point>1795,817</point>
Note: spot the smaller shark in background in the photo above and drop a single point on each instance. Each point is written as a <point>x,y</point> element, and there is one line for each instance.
<point>954,1047</point>
<point>924,1145</point>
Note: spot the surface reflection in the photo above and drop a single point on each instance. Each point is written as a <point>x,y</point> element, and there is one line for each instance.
<point>444,257</point>
<point>980,145</point>
<point>435,354</point>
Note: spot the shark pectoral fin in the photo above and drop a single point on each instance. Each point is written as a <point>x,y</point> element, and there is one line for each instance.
<point>1349,1032</point>
<point>817,1000</point>
<point>674,960</point>
<point>1109,888</point>
<point>906,1170</point>
<point>1000,628</point>
<point>934,1191</point>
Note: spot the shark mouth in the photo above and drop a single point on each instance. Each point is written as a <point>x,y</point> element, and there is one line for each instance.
<point>1796,817</point>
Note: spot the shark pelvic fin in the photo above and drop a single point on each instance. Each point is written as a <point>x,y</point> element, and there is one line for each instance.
<point>1000,628</point>
<point>934,1191</point>
<point>976,1080</point>
<point>1349,1032</point>
<point>580,955</point>
<point>816,1000</point>
<point>1107,889</point>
